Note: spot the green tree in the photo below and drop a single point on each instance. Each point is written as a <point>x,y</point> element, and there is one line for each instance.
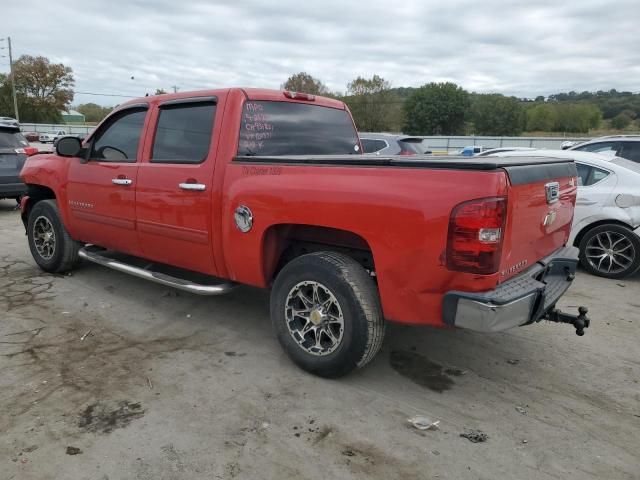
<point>303,82</point>
<point>577,117</point>
<point>160,91</point>
<point>436,108</point>
<point>621,121</point>
<point>93,113</point>
<point>375,108</point>
<point>495,114</point>
<point>542,118</point>
<point>43,89</point>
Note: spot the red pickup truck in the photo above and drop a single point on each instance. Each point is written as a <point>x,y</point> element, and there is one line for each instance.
<point>206,190</point>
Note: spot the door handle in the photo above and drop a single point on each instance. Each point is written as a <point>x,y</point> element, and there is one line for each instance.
<point>586,201</point>
<point>121,181</point>
<point>193,186</point>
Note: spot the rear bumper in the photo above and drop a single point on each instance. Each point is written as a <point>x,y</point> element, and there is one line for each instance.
<point>12,189</point>
<point>521,300</point>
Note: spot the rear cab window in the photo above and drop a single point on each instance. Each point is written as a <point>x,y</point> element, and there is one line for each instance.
<point>272,128</point>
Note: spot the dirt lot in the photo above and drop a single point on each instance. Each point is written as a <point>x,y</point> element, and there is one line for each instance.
<point>150,384</point>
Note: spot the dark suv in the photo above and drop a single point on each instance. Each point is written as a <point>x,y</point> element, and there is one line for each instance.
<point>625,146</point>
<point>14,150</point>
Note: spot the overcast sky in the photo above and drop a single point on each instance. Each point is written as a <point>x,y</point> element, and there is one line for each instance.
<point>522,48</point>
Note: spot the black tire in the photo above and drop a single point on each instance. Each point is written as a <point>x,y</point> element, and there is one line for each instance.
<point>599,239</point>
<point>63,255</point>
<point>357,299</point>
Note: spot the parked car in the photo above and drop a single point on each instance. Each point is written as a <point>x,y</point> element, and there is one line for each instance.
<point>51,136</point>
<point>269,188</point>
<point>625,146</point>
<point>606,223</point>
<point>12,122</point>
<point>14,149</point>
<point>471,150</point>
<point>491,151</point>
<point>386,144</point>
<point>32,136</point>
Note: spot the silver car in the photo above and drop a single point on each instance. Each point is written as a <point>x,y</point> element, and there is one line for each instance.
<point>624,146</point>
<point>387,144</point>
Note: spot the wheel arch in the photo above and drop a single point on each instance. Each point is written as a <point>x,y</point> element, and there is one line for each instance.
<point>35,194</point>
<point>609,221</point>
<point>283,242</point>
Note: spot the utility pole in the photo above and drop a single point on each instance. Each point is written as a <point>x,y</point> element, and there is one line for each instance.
<point>175,89</point>
<point>13,82</point>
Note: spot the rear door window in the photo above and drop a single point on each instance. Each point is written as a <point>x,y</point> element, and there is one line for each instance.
<point>184,133</point>
<point>287,128</point>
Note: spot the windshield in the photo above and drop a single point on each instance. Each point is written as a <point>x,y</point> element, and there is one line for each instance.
<point>285,128</point>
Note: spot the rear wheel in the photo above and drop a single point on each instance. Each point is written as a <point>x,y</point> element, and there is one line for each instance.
<point>326,313</point>
<point>610,251</point>
<point>51,246</point>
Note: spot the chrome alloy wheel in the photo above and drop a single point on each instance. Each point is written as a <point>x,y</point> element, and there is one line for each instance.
<point>610,252</point>
<point>314,318</point>
<point>44,237</point>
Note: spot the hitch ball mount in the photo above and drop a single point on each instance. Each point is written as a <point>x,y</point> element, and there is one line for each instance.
<point>580,321</point>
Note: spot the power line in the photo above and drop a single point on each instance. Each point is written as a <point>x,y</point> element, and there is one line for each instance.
<point>107,94</point>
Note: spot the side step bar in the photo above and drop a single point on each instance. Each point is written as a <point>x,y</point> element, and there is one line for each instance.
<point>94,254</point>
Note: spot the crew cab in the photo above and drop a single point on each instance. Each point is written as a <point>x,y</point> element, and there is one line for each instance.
<point>208,190</point>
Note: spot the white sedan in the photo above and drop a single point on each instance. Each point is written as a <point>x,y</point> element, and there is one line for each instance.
<point>606,223</point>
<point>50,137</point>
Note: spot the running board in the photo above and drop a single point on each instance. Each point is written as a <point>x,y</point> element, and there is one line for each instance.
<point>95,255</point>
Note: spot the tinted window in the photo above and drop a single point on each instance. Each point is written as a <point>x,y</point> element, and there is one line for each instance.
<point>588,175</point>
<point>12,139</point>
<point>607,148</point>
<point>631,151</point>
<point>370,145</point>
<point>184,133</point>
<point>283,128</point>
<point>118,140</point>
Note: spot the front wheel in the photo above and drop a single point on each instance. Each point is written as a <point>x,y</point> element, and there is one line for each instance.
<point>610,251</point>
<point>326,313</point>
<point>51,246</point>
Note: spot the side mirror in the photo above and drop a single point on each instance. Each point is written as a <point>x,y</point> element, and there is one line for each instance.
<point>69,147</point>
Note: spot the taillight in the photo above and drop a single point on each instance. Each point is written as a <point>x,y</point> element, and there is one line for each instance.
<point>30,151</point>
<point>299,96</point>
<point>476,231</point>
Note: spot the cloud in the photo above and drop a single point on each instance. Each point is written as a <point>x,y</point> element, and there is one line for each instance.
<point>514,47</point>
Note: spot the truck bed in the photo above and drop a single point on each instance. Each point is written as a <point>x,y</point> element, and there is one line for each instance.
<point>417,161</point>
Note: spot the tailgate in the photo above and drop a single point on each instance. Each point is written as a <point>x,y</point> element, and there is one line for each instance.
<point>11,164</point>
<point>541,198</point>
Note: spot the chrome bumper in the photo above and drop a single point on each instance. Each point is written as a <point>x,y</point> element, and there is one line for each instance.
<point>521,300</point>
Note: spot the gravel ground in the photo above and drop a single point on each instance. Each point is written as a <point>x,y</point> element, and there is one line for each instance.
<point>105,376</point>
